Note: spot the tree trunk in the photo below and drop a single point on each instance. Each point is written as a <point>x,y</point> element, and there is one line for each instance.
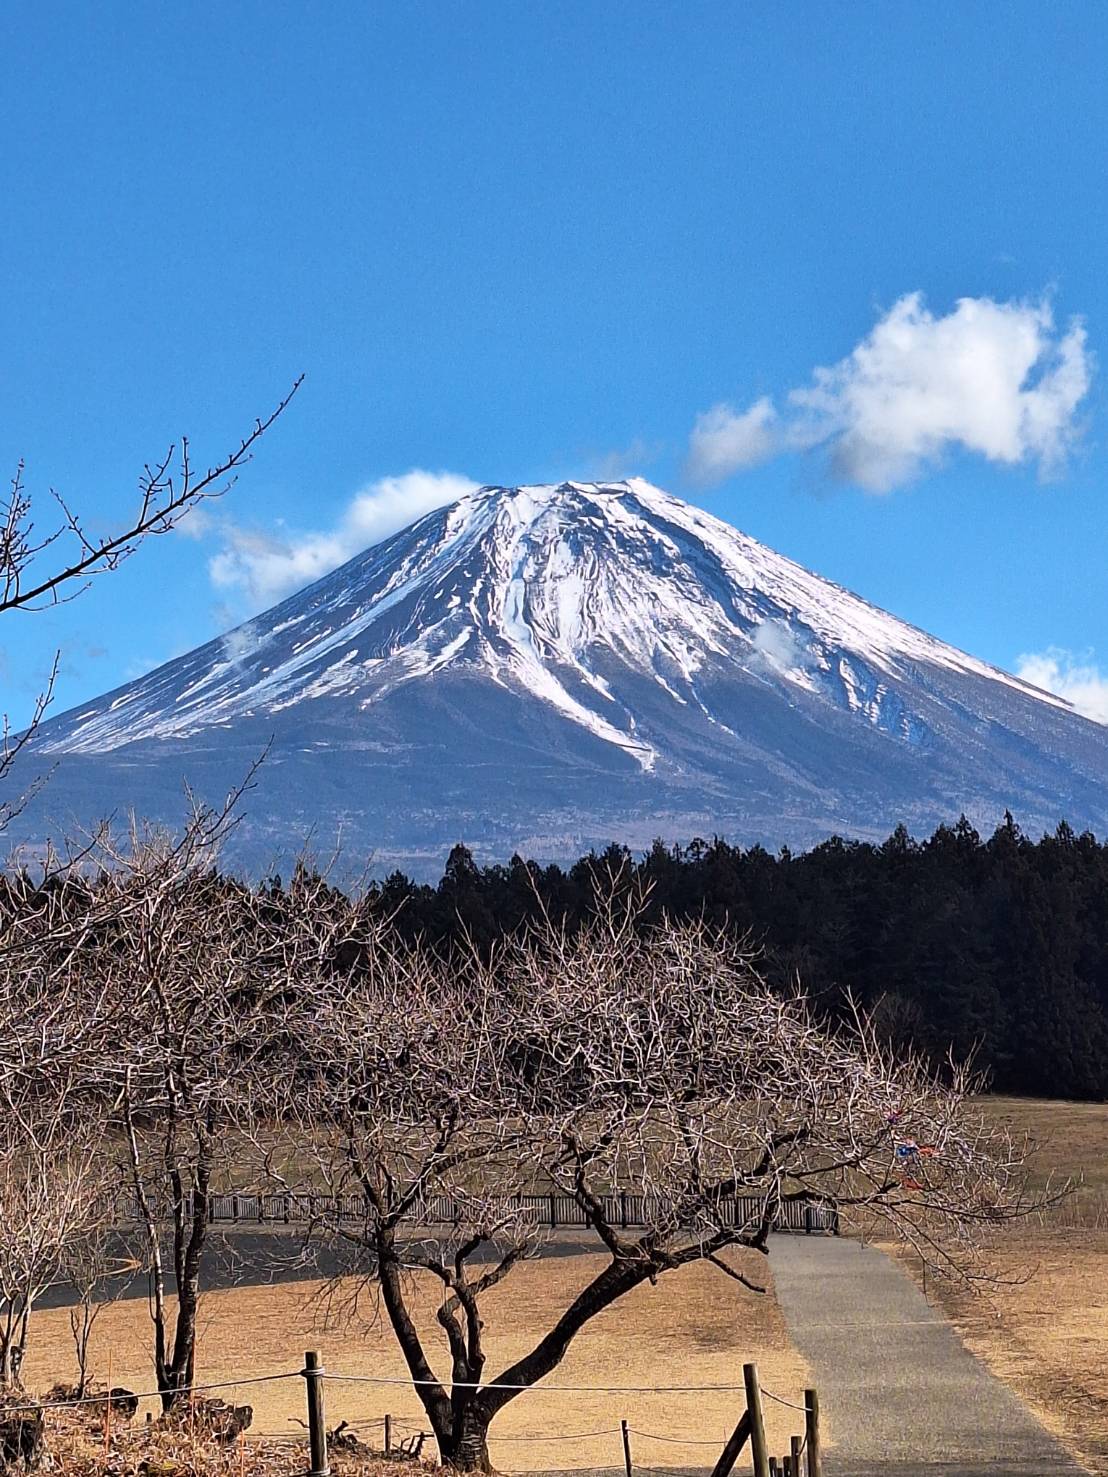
<point>465,1446</point>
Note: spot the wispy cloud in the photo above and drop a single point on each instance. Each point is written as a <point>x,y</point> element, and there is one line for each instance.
<point>725,440</point>
<point>1074,676</point>
<point>627,461</point>
<point>260,566</point>
<point>997,379</point>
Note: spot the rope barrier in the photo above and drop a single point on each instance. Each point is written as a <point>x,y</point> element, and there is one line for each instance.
<point>782,1401</point>
<point>675,1440</point>
<point>376,1422</point>
<point>559,1436</point>
<point>258,1379</point>
<point>539,1389</point>
<point>381,1379</point>
<point>544,1471</point>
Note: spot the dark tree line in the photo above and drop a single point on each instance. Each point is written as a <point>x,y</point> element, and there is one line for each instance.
<point>994,946</point>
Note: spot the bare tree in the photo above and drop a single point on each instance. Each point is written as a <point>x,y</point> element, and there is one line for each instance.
<point>40,567</point>
<point>201,971</point>
<point>657,1065</point>
<point>51,1118</point>
<point>181,934</point>
<point>97,1266</point>
<point>144,995</point>
<point>50,1199</point>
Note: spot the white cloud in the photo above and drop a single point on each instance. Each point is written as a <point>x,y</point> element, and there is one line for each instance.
<point>1070,675</point>
<point>992,378</point>
<point>264,566</point>
<point>725,440</point>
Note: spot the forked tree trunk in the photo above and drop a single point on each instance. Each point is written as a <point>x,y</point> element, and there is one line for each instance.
<point>464,1443</point>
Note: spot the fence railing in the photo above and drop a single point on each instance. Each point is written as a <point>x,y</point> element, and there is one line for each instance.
<point>554,1211</point>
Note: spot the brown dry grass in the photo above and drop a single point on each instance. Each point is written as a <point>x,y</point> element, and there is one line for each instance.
<point>1045,1333</point>
<point>696,1327</point>
<point>83,1444</point>
<point>1070,1143</point>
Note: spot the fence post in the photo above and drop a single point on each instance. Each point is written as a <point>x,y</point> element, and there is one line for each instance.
<point>388,1434</point>
<point>757,1421</point>
<point>553,1212</point>
<point>795,1445</point>
<point>317,1429</point>
<point>626,1434</point>
<point>735,1443</point>
<point>811,1433</point>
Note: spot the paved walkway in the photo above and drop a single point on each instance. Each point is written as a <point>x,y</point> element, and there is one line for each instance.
<point>900,1394</point>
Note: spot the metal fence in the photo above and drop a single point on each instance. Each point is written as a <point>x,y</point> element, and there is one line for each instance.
<point>554,1211</point>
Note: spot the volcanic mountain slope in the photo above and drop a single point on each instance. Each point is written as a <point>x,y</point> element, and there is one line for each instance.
<point>549,668</point>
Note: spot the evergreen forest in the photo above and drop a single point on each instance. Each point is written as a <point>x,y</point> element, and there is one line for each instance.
<point>995,948</point>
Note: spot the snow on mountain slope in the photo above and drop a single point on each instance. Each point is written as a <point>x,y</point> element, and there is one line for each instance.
<point>612,659</point>
<point>527,585</point>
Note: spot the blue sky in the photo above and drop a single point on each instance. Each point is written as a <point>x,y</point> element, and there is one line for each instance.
<point>519,243</point>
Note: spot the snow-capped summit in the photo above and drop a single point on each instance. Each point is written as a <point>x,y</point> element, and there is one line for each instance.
<point>548,667</point>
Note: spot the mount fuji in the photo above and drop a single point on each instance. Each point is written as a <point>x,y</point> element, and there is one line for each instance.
<point>545,669</point>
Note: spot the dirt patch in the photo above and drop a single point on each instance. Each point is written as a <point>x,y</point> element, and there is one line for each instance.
<point>696,1327</point>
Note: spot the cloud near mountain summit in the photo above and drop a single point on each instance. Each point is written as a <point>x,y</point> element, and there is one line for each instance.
<point>996,379</point>
<point>262,566</point>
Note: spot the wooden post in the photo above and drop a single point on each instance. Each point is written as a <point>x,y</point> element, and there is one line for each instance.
<point>795,1445</point>
<point>811,1433</point>
<point>108,1411</point>
<point>757,1421</point>
<point>735,1443</point>
<point>626,1447</point>
<point>553,1212</point>
<point>773,1472</point>
<point>317,1430</point>
<point>388,1434</point>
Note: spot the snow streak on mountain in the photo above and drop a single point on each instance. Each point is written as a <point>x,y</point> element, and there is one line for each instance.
<point>547,668</point>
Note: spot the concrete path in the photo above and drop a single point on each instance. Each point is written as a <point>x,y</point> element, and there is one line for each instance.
<point>900,1394</point>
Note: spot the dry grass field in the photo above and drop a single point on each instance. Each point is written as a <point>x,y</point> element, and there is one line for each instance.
<point>1046,1332</point>
<point>696,1327</point>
